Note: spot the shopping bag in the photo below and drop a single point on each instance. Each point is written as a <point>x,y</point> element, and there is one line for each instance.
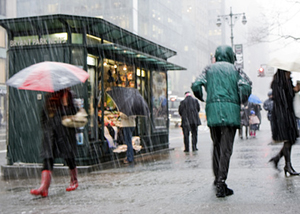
<point>296,104</point>
<point>77,120</point>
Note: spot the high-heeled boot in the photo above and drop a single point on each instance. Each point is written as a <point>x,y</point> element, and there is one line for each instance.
<point>45,183</point>
<point>289,169</point>
<point>74,181</point>
<point>275,161</point>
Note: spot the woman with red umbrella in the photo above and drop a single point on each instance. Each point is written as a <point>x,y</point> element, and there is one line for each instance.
<point>58,141</point>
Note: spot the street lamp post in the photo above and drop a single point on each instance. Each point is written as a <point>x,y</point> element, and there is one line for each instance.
<point>232,22</point>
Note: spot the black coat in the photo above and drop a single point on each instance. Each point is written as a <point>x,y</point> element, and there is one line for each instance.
<point>245,115</point>
<point>284,120</point>
<point>189,111</point>
<point>268,106</point>
<point>58,141</point>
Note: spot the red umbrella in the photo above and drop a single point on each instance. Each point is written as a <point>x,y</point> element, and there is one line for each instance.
<point>48,76</point>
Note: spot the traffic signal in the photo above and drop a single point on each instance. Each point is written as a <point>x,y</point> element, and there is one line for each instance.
<point>261,72</point>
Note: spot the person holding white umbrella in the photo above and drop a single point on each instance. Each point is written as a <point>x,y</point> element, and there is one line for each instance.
<point>59,140</point>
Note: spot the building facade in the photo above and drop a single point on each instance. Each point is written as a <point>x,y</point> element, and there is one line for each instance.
<point>7,9</point>
<point>183,26</point>
<point>115,59</point>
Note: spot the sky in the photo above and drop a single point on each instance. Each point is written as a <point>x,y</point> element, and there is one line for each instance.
<point>282,18</point>
<point>282,15</point>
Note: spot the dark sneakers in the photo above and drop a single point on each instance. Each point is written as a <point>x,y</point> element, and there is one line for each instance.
<point>223,190</point>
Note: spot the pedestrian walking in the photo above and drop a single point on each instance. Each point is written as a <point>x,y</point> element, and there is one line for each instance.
<point>284,127</point>
<point>226,87</point>
<point>189,111</point>
<point>59,141</point>
<point>128,124</point>
<point>257,109</point>
<point>268,106</point>
<point>244,120</point>
<point>253,123</point>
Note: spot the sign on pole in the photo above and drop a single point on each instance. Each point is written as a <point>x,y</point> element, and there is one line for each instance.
<point>238,49</point>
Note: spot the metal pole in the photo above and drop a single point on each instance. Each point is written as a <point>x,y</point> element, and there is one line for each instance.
<point>231,26</point>
<point>244,21</point>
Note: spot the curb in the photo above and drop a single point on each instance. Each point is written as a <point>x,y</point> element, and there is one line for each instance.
<point>24,171</point>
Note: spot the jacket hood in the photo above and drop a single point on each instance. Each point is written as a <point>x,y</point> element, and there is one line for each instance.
<point>225,54</point>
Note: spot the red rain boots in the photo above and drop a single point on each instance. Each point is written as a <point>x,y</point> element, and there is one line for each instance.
<point>45,183</point>
<point>74,181</point>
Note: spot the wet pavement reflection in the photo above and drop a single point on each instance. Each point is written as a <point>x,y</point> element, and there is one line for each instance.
<point>171,182</point>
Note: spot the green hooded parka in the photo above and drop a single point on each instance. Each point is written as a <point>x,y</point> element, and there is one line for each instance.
<point>226,87</point>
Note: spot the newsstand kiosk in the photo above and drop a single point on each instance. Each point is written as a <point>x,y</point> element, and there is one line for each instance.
<point>112,56</point>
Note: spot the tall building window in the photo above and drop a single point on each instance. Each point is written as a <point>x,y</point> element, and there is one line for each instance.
<point>2,38</point>
<point>118,4</point>
<point>2,70</point>
<point>53,8</point>
<point>3,7</point>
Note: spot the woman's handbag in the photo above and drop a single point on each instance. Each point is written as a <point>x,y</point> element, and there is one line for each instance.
<point>296,104</point>
<point>77,120</point>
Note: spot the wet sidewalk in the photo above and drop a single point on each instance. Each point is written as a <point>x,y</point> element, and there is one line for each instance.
<point>171,182</point>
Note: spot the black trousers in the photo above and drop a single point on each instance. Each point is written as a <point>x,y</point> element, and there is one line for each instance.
<point>49,163</point>
<point>223,138</point>
<point>193,128</point>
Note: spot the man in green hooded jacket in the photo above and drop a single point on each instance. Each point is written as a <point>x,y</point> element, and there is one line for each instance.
<point>227,87</point>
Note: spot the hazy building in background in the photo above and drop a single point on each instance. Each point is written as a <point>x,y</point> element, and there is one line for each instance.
<point>188,27</point>
<point>7,10</point>
<point>183,26</point>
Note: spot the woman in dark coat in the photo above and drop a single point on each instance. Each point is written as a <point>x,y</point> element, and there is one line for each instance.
<point>284,127</point>
<point>58,141</point>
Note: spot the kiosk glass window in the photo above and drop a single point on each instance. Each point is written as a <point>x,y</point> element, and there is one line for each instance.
<point>2,38</point>
<point>118,74</point>
<point>142,82</point>
<point>159,99</point>
<point>92,68</point>
<point>92,40</point>
<point>24,40</point>
<point>55,38</point>
<point>2,70</point>
<point>77,38</point>
<point>76,57</point>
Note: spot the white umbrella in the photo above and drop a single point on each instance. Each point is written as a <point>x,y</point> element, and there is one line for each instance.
<point>288,62</point>
<point>48,76</point>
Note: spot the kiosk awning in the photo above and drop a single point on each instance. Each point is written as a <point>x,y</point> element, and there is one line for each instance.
<point>43,25</point>
<point>115,49</point>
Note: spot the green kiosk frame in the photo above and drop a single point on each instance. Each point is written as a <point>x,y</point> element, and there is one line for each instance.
<point>105,51</point>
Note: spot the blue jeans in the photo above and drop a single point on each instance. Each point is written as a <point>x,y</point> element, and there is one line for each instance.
<point>127,132</point>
